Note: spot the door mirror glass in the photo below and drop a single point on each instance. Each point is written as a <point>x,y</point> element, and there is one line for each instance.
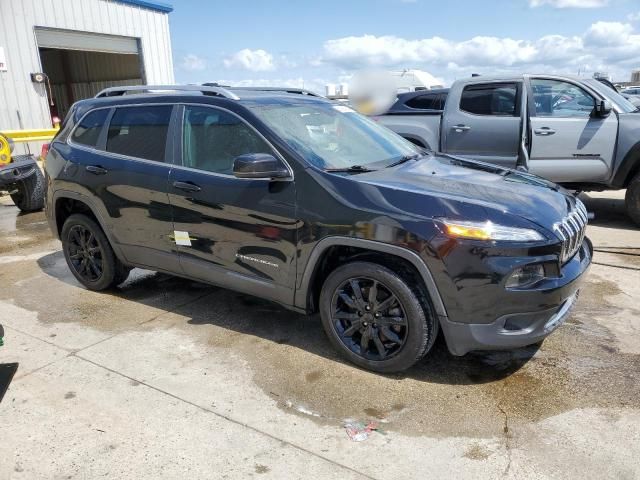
<point>604,108</point>
<point>259,165</point>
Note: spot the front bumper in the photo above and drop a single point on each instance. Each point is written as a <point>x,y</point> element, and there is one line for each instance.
<point>520,329</point>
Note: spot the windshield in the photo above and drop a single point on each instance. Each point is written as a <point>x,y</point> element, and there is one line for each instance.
<point>332,136</point>
<point>624,105</point>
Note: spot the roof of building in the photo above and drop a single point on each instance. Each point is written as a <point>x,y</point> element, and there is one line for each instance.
<point>151,5</point>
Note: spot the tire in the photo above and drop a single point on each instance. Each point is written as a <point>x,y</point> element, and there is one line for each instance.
<point>632,199</point>
<point>89,254</point>
<point>30,194</point>
<point>405,327</point>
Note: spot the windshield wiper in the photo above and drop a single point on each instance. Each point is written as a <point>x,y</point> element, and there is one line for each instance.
<point>351,169</point>
<point>403,159</point>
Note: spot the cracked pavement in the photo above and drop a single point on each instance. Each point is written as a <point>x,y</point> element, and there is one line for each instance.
<point>166,377</point>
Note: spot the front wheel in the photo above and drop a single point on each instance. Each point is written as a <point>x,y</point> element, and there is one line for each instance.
<point>632,199</point>
<point>374,319</point>
<point>89,254</point>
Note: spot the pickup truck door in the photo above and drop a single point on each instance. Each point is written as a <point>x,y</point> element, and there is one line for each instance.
<point>485,123</point>
<point>569,142</point>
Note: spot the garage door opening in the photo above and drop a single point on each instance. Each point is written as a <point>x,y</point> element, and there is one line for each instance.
<point>80,64</point>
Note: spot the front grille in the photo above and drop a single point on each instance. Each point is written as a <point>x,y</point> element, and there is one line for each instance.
<point>571,230</point>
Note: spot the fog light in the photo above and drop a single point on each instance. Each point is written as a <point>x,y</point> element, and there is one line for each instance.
<point>525,276</point>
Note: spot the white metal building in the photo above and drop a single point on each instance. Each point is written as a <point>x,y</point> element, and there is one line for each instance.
<point>81,46</point>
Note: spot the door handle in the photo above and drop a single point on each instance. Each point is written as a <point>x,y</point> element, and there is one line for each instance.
<point>187,186</point>
<point>461,128</point>
<point>96,169</point>
<point>544,131</point>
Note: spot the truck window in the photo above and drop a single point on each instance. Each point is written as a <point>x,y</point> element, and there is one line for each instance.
<point>490,99</point>
<point>213,139</point>
<point>139,132</point>
<point>430,101</point>
<point>88,130</point>
<point>556,98</point>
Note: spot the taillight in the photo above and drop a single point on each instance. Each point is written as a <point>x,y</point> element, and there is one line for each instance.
<point>44,151</point>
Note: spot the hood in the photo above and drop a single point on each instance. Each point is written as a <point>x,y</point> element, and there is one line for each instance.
<point>454,180</point>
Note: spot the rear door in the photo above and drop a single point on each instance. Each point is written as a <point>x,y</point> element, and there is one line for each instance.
<point>232,232</point>
<point>569,143</point>
<point>485,124</point>
<point>124,161</point>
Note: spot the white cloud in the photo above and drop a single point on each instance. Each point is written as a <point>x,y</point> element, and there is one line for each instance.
<point>193,63</point>
<point>605,45</point>
<point>569,3</point>
<point>253,60</point>
<point>634,17</point>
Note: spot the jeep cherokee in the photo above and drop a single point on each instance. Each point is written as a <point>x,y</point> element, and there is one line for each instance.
<point>287,196</point>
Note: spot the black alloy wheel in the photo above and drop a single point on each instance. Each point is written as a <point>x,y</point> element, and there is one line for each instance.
<point>369,319</point>
<point>377,318</point>
<point>85,253</point>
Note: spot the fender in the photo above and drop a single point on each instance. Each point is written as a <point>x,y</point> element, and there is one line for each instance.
<point>410,256</point>
<point>88,201</point>
<point>629,166</point>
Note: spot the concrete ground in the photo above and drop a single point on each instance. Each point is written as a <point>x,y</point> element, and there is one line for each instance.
<point>165,377</point>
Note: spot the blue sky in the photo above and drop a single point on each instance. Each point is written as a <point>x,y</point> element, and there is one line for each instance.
<point>277,42</point>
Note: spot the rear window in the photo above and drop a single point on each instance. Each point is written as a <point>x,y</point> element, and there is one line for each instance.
<point>88,130</point>
<point>432,101</point>
<point>140,132</point>
<point>498,99</point>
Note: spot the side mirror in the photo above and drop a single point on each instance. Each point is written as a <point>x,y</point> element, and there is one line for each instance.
<point>259,165</point>
<point>604,108</point>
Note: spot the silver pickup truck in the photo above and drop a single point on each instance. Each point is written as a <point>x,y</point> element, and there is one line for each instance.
<point>576,132</point>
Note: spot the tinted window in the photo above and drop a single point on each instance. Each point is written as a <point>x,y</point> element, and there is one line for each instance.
<point>555,98</point>
<point>214,138</point>
<point>139,132</point>
<point>490,99</point>
<point>88,130</point>
<point>428,102</point>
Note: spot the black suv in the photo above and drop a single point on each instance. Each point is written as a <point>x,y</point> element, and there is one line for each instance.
<point>290,197</point>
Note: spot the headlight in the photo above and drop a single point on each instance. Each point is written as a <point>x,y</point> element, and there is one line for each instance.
<point>525,276</point>
<point>489,231</point>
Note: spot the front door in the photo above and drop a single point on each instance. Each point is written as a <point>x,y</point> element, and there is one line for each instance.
<point>486,124</point>
<point>569,142</point>
<point>233,232</point>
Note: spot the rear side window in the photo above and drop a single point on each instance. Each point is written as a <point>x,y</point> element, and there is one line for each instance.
<point>88,130</point>
<point>140,132</point>
<point>497,99</point>
<point>214,138</point>
<point>432,101</point>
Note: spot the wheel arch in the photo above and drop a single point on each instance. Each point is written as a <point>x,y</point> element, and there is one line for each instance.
<point>67,202</point>
<point>629,167</point>
<point>308,285</point>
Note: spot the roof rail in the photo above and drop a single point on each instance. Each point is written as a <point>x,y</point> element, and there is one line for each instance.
<point>299,91</point>
<point>205,90</point>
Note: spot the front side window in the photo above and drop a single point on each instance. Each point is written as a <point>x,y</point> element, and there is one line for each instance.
<point>498,99</point>
<point>140,132</point>
<point>556,98</point>
<point>334,136</point>
<point>212,139</point>
<point>88,130</point>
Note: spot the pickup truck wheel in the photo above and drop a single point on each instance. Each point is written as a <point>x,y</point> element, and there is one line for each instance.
<point>89,254</point>
<point>632,199</point>
<point>374,319</point>
<point>29,196</point>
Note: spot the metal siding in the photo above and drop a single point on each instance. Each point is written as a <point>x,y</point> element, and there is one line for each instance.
<point>17,36</point>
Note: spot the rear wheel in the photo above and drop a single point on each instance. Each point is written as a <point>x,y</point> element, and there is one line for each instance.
<point>374,319</point>
<point>632,199</point>
<point>89,254</point>
<point>29,196</point>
